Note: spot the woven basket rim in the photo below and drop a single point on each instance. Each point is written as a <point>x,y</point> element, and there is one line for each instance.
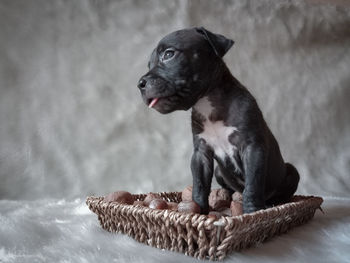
<point>156,213</point>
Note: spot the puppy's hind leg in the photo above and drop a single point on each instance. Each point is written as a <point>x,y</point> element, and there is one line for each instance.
<point>288,187</point>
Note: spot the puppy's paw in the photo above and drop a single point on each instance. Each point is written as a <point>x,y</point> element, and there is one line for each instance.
<point>249,207</point>
<point>204,207</point>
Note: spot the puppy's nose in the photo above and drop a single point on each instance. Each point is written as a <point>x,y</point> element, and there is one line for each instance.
<point>142,83</point>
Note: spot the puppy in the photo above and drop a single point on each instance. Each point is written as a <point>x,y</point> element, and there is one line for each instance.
<point>186,71</point>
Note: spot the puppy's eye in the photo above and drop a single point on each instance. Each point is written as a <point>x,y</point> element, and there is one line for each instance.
<point>168,54</point>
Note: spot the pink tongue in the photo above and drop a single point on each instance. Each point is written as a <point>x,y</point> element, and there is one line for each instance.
<point>153,102</point>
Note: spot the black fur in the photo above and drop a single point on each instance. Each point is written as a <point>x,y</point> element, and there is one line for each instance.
<point>194,71</point>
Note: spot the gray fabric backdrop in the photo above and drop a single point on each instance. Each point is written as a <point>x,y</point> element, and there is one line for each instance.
<point>71,118</point>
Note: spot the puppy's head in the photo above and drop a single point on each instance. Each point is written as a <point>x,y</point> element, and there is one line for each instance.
<point>180,68</point>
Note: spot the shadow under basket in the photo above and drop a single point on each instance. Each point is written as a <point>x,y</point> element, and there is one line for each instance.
<point>198,235</point>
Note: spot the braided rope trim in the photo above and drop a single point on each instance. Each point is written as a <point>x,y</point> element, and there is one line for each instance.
<point>198,235</point>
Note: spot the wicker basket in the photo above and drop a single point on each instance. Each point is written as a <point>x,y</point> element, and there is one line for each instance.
<point>198,235</point>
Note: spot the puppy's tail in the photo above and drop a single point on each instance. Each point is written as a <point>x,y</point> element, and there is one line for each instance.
<point>292,178</point>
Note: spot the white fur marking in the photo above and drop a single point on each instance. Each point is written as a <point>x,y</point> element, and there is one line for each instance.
<point>216,133</point>
<point>204,107</point>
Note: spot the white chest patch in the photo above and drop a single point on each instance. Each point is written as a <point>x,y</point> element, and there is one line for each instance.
<point>215,133</point>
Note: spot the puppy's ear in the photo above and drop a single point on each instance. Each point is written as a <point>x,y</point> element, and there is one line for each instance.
<point>218,42</point>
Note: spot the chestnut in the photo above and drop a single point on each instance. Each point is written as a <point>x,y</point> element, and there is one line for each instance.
<point>214,214</point>
<point>236,208</point>
<point>188,207</point>
<point>172,206</point>
<point>237,196</point>
<point>187,194</point>
<point>150,197</point>
<point>226,212</point>
<point>219,198</point>
<point>158,204</point>
<point>122,197</point>
<point>140,203</point>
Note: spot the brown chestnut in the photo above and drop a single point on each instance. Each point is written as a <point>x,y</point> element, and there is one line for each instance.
<point>158,204</point>
<point>236,208</point>
<point>140,203</point>
<point>187,194</point>
<point>150,197</point>
<point>215,214</point>
<point>172,206</point>
<point>188,207</point>
<point>237,196</point>
<point>219,198</point>
<point>122,197</point>
<point>226,212</point>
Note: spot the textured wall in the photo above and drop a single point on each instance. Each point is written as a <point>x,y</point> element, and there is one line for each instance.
<point>72,120</point>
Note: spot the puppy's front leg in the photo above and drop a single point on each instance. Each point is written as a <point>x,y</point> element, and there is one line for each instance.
<point>254,163</point>
<point>202,172</point>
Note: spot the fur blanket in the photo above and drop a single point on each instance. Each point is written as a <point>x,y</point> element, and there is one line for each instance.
<point>66,231</point>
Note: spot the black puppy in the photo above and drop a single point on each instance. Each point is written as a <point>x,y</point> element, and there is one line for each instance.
<point>186,70</point>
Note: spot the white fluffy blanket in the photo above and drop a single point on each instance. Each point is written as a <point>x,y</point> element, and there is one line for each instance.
<point>66,231</point>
